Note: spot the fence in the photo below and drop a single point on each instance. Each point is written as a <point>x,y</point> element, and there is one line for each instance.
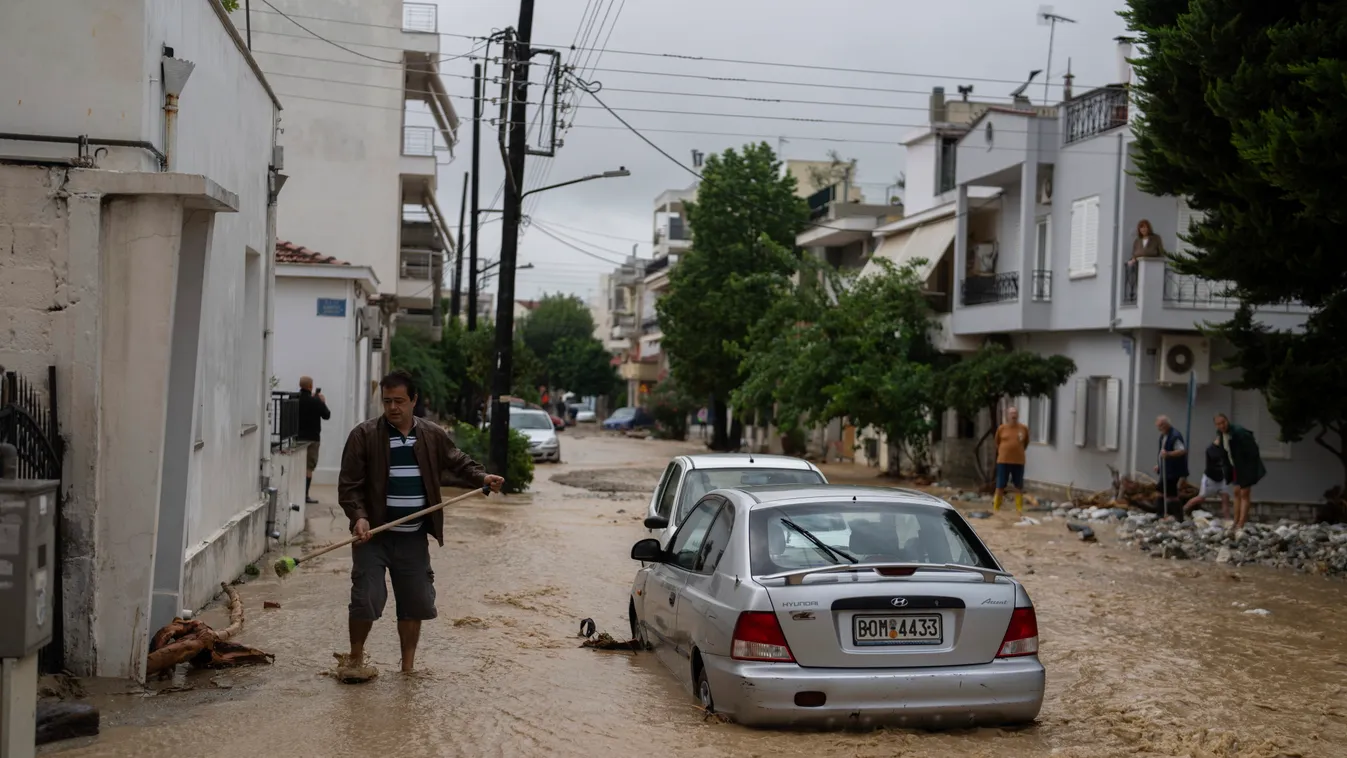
<point>28,423</point>
<point>1001,288</point>
<point>418,141</point>
<point>284,419</point>
<point>1094,113</point>
<point>1042,286</point>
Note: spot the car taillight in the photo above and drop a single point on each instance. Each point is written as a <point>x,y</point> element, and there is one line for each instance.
<point>1022,635</point>
<point>758,637</point>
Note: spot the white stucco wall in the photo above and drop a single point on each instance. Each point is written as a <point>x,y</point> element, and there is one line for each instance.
<point>919,191</point>
<point>343,196</point>
<point>325,348</point>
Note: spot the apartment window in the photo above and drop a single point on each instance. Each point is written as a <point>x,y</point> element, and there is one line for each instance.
<point>1187,217</point>
<point>1097,412</point>
<point>1036,413</point>
<point>949,150</point>
<point>1084,238</point>
<point>251,346</point>
<point>1251,412</point>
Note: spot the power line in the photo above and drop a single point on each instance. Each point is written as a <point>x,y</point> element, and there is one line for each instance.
<point>342,46</point>
<point>577,248</point>
<point>576,240</point>
<point>550,222</point>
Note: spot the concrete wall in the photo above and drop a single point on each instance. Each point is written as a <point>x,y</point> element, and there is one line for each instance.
<point>343,196</point>
<point>984,151</point>
<point>922,165</point>
<point>1082,170</point>
<point>327,349</point>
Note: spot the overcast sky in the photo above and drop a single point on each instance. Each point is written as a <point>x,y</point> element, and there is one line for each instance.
<point>991,44</point>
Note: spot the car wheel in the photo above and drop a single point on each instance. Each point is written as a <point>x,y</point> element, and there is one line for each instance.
<point>704,691</point>
<point>637,633</point>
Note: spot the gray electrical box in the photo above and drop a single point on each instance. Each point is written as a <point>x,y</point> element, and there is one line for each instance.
<point>27,564</point>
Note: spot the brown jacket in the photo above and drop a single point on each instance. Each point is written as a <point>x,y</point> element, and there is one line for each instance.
<point>1152,247</point>
<point>363,485</point>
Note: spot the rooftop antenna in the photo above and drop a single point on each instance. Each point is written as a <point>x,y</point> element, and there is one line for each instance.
<point>964,91</point>
<point>1049,19</point>
<point>697,158</point>
<point>1018,94</point>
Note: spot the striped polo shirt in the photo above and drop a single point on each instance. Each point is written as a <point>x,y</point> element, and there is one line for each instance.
<point>406,491</point>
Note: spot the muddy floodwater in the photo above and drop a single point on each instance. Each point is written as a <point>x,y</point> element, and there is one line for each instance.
<point>1145,657</point>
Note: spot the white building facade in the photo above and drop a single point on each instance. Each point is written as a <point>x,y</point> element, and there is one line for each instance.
<point>328,318</point>
<point>142,272</point>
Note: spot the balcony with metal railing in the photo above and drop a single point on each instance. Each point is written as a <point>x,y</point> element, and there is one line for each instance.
<point>993,288</point>
<point>1042,286</point>
<point>1096,112</point>
<point>418,141</point>
<point>1155,294</point>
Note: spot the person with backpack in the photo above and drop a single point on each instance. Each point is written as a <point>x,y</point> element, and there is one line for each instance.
<point>1246,463</point>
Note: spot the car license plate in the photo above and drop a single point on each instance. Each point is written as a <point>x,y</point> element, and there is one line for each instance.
<point>897,630</point>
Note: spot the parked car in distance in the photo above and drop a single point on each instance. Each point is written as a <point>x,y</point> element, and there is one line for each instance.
<point>688,477</point>
<point>583,415</point>
<point>542,434</point>
<point>839,606</point>
<point>626,419</point>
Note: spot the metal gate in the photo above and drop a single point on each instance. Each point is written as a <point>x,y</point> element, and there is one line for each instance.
<point>28,424</point>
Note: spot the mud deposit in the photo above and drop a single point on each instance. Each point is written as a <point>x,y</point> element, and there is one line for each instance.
<point>1145,657</point>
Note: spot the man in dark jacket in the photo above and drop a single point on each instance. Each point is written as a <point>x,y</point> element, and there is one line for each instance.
<point>312,413</point>
<point>1246,462</point>
<point>1172,466</point>
<point>1215,480</point>
<point>393,466</point>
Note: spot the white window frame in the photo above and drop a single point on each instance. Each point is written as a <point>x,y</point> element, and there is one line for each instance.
<point>1250,411</point>
<point>1098,413</point>
<point>1039,412</point>
<point>1084,260</point>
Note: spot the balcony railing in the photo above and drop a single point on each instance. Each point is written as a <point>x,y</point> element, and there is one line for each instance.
<point>421,17</point>
<point>1042,285</point>
<point>819,201</point>
<point>1000,288</point>
<point>649,324</point>
<point>416,265</point>
<point>284,419</point>
<point>658,264</point>
<point>1095,112</point>
<point>418,141</point>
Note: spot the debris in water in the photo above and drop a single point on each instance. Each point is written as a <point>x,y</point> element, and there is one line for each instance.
<point>606,641</point>
<point>470,621</point>
<point>58,721</point>
<point>1258,612</point>
<point>357,672</point>
<point>270,604</point>
<point>587,628</point>
<point>182,641</point>
<point>979,514</point>
<point>1028,521</point>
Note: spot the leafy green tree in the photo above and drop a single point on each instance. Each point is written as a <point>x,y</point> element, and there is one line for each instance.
<point>413,352</point>
<point>582,365</point>
<point>671,405</point>
<point>744,223</point>
<point>556,318</point>
<point>1244,107</point>
<point>980,381</point>
<point>230,5</point>
<point>518,463</point>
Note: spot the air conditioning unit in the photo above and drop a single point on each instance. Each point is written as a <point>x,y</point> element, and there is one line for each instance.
<point>1182,355</point>
<point>370,321</point>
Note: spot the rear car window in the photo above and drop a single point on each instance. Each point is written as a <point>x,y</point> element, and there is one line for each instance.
<point>701,481</point>
<point>869,532</point>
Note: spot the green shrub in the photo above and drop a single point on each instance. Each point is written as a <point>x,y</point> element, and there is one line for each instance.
<point>671,406</point>
<point>519,463</point>
<point>794,443</point>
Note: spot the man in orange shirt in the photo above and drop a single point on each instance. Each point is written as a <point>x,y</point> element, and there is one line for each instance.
<point>1012,439</point>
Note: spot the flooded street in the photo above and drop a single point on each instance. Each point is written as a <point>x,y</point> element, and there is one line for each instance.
<point>1145,657</point>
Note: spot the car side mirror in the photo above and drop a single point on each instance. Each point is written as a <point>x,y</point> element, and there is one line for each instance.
<point>656,522</point>
<point>647,551</point>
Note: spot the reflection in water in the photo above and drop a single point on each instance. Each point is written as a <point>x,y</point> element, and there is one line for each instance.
<point>1145,657</point>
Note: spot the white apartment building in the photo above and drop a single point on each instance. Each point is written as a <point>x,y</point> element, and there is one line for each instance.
<point>364,135</point>
<point>1045,212</point>
<point>137,212</point>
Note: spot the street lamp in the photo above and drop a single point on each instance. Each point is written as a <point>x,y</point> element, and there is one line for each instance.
<point>620,172</point>
<point>499,446</point>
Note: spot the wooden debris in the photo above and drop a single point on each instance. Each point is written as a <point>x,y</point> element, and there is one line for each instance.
<point>182,641</point>
<point>606,641</point>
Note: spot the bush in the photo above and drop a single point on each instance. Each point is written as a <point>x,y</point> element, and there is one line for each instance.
<point>794,443</point>
<point>518,465</point>
<point>671,406</point>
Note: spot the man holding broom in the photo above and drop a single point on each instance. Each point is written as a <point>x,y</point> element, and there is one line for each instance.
<point>393,466</point>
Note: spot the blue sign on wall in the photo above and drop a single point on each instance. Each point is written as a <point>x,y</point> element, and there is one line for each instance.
<point>332,306</point>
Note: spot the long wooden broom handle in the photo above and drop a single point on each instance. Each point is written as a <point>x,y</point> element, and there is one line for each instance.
<point>485,490</point>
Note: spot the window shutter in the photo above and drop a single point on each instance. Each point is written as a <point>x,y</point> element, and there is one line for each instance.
<point>1078,213</point>
<point>1090,256</point>
<point>1186,217</point>
<point>1112,413</point>
<point>1082,409</point>
<point>1022,405</point>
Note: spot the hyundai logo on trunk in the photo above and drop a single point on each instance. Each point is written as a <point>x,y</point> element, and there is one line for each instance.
<point>898,602</point>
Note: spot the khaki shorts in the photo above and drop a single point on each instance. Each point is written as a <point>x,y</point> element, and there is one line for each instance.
<point>405,559</point>
<point>312,461</point>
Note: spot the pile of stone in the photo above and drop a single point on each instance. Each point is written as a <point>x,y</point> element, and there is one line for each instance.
<point>1097,514</point>
<point>1313,548</point>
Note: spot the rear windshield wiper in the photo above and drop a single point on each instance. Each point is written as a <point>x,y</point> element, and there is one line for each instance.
<point>835,552</point>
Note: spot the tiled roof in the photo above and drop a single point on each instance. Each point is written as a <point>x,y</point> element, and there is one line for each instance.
<point>528,304</point>
<point>288,252</point>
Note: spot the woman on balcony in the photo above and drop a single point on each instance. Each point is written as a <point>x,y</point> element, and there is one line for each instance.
<point>1147,243</point>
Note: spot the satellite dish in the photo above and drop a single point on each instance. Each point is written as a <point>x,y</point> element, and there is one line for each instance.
<point>1044,15</point>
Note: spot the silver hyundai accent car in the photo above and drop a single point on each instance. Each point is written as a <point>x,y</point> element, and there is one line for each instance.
<point>839,606</point>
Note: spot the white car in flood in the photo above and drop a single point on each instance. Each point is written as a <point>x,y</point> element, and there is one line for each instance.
<point>537,426</point>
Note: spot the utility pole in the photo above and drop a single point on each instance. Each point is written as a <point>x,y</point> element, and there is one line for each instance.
<point>518,57</point>
<point>456,300</point>
<point>437,291</point>
<point>476,175</point>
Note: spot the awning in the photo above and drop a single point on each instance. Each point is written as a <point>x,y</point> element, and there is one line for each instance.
<point>930,242</point>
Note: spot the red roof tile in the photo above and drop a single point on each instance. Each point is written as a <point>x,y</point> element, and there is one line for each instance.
<point>288,252</point>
